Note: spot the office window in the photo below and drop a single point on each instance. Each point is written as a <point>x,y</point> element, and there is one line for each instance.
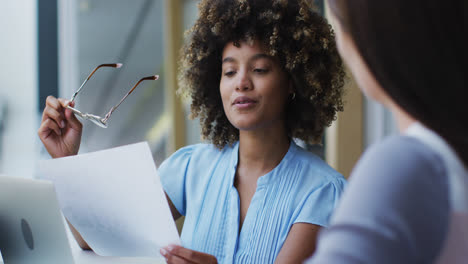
<point>190,14</point>
<point>108,31</point>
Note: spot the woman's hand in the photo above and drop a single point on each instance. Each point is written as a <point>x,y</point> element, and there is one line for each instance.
<point>177,254</point>
<point>60,130</point>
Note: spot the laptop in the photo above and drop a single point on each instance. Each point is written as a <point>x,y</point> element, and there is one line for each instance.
<point>32,228</point>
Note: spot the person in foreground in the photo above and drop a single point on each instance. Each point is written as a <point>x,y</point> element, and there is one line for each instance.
<point>407,200</point>
<point>259,73</point>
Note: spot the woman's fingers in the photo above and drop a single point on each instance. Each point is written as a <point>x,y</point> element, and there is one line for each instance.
<point>184,253</point>
<point>51,103</point>
<point>188,255</point>
<point>173,259</point>
<point>69,116</point>
<point>53,114</point>
<point>47,127</point>
<point>64,102</point>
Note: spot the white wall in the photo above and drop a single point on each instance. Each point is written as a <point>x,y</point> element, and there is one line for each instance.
<point>18,86</point>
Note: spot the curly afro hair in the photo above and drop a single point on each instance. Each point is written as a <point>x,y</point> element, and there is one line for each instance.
<point>291,31</point>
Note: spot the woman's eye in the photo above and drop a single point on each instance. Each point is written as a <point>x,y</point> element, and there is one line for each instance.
<point>229,73</point>
<point>260,70</point>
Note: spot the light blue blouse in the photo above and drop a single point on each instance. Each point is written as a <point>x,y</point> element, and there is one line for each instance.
<point>199,180</point>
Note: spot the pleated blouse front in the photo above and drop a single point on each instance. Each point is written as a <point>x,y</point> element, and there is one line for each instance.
<point>199,180</point>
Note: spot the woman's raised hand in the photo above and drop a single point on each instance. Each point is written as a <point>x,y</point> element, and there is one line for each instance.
<point>60,130</point>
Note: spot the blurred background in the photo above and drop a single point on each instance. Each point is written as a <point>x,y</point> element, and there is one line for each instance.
<point>49,47</point>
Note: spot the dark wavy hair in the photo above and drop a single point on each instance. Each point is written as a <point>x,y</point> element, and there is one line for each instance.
<point>417,52</point>
<point>291,31</point>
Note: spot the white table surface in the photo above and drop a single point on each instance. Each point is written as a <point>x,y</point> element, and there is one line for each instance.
<point>89,257</point>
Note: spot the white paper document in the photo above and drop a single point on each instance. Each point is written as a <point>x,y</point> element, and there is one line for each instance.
<point>115,200</point>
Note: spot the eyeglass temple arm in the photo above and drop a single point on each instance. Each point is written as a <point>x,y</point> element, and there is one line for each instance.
<point>106,117</point>
<point>113,65</point>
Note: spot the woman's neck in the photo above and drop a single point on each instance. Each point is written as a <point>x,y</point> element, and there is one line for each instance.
<point>403,119</point>
<point>262,150</point>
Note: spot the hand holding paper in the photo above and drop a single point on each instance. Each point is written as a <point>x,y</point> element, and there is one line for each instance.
<point>114,198</point>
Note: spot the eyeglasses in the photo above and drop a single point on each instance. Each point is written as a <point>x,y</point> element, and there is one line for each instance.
<point>102,121</point>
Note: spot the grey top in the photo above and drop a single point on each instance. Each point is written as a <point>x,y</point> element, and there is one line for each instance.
<point>395,209</point>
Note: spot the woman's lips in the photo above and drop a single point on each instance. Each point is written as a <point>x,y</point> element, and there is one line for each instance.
<point>244,102</point>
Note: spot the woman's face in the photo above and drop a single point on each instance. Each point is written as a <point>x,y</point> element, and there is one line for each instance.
<point>253,87</point>
<point>361,73</point>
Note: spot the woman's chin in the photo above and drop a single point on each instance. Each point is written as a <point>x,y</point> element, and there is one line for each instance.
<point>246,126</point>
<point>255,124</point>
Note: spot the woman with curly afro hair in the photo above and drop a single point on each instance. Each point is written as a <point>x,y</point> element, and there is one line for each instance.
<point>259,74</point>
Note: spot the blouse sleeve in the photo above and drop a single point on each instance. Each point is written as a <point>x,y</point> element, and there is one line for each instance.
<point>319,205</point>
<point>173,174</point>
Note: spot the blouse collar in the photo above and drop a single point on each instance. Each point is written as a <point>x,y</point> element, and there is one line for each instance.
<point>265,179</point>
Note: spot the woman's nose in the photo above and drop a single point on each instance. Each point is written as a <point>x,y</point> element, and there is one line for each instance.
<point>243,83</point>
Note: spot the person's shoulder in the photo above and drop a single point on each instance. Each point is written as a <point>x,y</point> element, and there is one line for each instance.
<point>398,197</point>
<point>203,152</point>
<point>402,153</point>
<point>314,166</point>
<point>389,190</point>
<point>317,190</point>
<point>208,149</point>
<point>187,153</point>
<point>403,146</point>
<point>401,163</point>
<point>194,148</point>
<point>199,148</point>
